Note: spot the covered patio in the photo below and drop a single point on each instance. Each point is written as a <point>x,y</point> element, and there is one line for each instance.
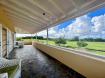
<point>40,60</point>
<point>37,64</point>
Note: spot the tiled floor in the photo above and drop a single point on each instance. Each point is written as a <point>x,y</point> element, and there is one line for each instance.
<point>36,64</point>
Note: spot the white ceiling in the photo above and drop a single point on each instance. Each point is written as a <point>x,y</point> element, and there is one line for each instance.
<point>36,15</point>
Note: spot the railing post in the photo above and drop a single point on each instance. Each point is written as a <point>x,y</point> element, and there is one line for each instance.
<point>47,36</point>
<point>36,36</point>
<point>14,38</point>
<point>31,37</point>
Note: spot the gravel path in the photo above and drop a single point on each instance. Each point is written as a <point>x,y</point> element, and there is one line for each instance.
<point>36,64</point>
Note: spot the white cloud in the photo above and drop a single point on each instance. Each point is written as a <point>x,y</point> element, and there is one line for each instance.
<point>23,35</point>
<point>99,23</point>
<point>55,33</point>
<point>42,33</point>
<point>52,32</point>
<point>81,26</point>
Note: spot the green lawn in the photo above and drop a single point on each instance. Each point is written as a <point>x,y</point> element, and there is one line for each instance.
<point>94,47</point>
<point>72,44</point>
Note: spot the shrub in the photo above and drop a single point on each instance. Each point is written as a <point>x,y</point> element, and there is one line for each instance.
<point>18,39</point>
<point>81,44</point>
<point>60,41</point>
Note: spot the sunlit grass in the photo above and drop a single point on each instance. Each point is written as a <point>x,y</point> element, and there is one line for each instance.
<point>93,47</point>
<point>96,45</point>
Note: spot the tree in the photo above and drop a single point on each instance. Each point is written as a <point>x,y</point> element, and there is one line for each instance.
<point>60,41</point>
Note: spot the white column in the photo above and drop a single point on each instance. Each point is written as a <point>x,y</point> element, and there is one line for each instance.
<point>31,38</point>
<point>14,39</point>
<point>47,37</point>
<point>36,36</point>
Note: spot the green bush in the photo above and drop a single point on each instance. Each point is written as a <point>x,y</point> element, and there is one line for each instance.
<point>60,41</point>
<point>18,39</point>
<point>81,44</point>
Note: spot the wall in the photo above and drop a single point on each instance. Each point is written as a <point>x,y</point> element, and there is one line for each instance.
<point>89,66</point>
<point>9,40</point>
<point>4,42</point>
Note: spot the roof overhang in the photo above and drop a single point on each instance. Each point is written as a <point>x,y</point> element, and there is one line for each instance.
<point>36,15</point>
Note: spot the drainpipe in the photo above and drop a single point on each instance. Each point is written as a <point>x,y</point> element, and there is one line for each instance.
<point>47,37</point>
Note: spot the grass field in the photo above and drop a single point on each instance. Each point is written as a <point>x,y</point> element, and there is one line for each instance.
<point>93,47</point>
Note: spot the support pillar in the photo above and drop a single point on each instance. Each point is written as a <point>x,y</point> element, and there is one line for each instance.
<point>36,36</point>
<point>47,37</point>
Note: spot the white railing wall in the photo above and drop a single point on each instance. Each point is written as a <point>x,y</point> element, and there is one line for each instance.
<point>88,66</point>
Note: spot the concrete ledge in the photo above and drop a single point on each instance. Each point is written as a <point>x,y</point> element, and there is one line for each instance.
<point>27,42</point>
<point>89,66</point>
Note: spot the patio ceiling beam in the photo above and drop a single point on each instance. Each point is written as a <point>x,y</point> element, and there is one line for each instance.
<point>23,12</point>
<point>15,18</point>
<point>11,12</point>
<point>24,25</point>
<point>57,6</point>
<point>74,4</point>
<point>78,8</point>
<point>19,30</point>
<point>18,18</point>
<point>38,15</point>
<point>40,6</point>
<point>25,30</point>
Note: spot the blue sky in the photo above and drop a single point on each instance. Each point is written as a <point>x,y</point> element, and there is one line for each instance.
<point>97,12</point>
<point>89,25</point>
<point>65,24</point>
